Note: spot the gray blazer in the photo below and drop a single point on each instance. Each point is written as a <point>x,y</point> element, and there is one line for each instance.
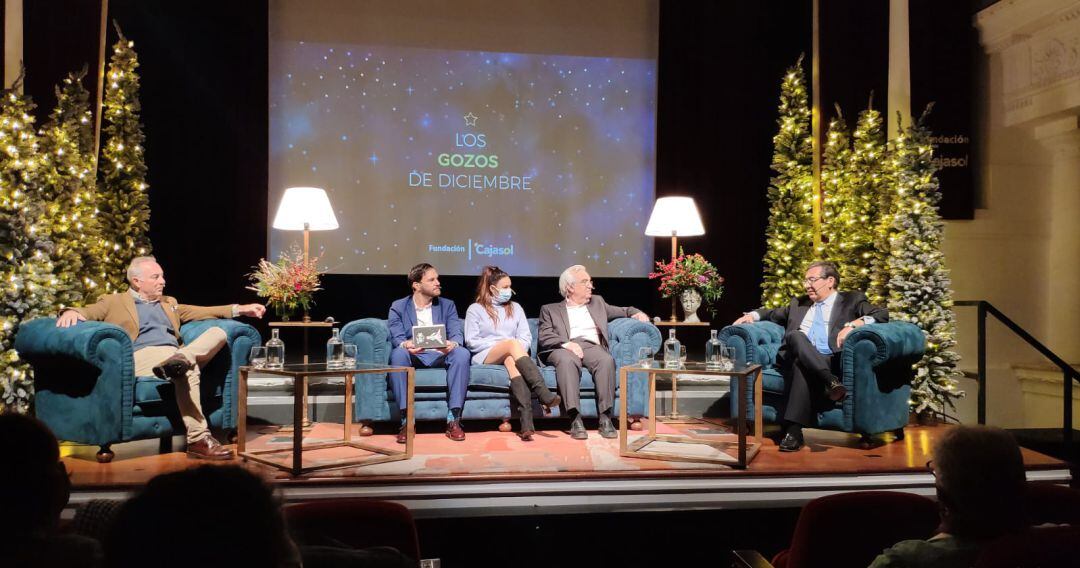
<point>554,328</point>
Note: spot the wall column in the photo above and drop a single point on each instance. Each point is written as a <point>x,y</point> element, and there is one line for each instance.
<point>1062,138</point>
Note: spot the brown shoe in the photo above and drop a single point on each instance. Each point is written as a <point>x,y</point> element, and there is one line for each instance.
<point>454,431</point>
<point>402,437</point>
<point>835,390</point>
<point>208,449</point>
<point>175,367</point>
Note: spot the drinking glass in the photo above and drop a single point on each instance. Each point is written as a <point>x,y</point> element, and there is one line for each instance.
<point>350,356</point>
<point>258,357</point>
<point>645,356</point>
<point>682,355</point>
<point>727,358</point>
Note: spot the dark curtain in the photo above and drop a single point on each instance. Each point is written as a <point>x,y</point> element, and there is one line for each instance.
<point>721,64</point>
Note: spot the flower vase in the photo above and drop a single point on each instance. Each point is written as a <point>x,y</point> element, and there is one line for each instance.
<point>283,311</point>
<point>691,301</point>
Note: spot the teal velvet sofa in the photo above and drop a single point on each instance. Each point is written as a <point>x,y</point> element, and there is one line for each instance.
<point>877,370</point>
<point>489,385</point>
<point>87,391</point>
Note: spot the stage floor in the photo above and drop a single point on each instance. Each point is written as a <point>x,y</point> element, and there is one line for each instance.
<point>493,473</point>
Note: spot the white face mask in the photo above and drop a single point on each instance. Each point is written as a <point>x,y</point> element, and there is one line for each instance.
<point>502,295</point>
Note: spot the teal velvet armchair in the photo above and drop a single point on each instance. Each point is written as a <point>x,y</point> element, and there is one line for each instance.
<point>877,370</point>
<point>87,391</point>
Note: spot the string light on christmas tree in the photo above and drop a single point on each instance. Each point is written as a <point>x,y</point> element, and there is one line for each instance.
<point>24,239</point>
<point>855,200</point>
<point>68,135</point>
<point>918,285</point>
<point>124,206</point>
<point>790,195</point>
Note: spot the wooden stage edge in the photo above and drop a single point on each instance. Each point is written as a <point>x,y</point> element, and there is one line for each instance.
<point>495,474</point>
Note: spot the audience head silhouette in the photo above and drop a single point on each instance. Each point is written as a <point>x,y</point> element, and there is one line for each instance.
<point>34,485</point>
<point>207,516</point>
<point>980,480</point>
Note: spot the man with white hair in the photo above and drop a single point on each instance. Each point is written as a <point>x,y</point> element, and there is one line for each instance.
<point>152,321</point>
<point>574,334</point>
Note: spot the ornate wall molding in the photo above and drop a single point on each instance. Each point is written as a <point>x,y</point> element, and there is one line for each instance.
<point>1038,42</point>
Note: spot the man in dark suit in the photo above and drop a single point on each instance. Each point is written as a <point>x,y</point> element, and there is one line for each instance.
<point>425,307</point>
<point>573,334</point>
<point>809,357</point>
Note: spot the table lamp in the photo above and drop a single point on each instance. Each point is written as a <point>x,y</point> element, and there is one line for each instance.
<point>307,209</point>
<point>675,217</point>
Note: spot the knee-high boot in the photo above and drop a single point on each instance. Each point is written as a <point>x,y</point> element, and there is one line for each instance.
<point>535,380</point>
<point>523,398</point>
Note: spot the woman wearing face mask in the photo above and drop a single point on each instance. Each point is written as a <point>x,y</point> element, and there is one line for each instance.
<point>497,333</point>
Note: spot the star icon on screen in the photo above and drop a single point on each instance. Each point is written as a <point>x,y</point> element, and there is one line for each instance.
<point>470,119</point>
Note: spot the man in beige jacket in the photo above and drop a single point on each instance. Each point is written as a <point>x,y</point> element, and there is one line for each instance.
<point>152,321</point>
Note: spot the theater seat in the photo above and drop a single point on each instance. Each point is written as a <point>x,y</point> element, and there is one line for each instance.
<point>1037,547</point>
<point>354,523</point>
<point>1055,504</point>
<point>851,529</point>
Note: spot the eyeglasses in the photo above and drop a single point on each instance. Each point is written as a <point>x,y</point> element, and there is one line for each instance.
<point>588,283</point>
<point>812,279</point>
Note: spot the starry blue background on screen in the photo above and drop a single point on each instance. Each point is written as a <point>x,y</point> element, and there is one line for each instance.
<point>464,158</point>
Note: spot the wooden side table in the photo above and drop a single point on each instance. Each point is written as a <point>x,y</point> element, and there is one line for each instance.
<point>673,417</point>
<point>300,374</point>
<point>744,452</point>
<point>306,326</point>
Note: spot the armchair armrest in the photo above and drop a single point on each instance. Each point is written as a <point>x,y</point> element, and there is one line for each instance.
<point>84,376</point>
<point>41,338</point>
<point>372,339</point>
<point>877,362</point>
<point>628,335</point>
<point>754,343</point>
<point>240,338</point>
<point>891,341</point>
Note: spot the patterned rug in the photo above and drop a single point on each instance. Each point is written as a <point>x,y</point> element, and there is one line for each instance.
<point>492,452</point>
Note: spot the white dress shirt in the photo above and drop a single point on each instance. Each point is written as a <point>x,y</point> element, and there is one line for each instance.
<point>423,316</point>
<point>582,324</point>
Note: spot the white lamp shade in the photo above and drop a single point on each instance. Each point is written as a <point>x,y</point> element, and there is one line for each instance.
<point>302,205</point>
<point>676,216</point>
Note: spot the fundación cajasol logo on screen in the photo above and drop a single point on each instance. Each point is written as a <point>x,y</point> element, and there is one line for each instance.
<point>474,248</point>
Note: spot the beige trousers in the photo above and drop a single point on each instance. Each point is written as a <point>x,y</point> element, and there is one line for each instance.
<point>198,353</point>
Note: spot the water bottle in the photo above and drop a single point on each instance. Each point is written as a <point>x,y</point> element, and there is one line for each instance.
<point>714,351</point>
<point>275,351</point>
<point>335,351</point>
<point>671,351</point>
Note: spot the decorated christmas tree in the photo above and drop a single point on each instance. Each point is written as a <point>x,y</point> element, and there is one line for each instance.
<point>124,205</point>
<point>836,187</point>
<point>918,285</point>
<point>856,204</point>
<point>25,264</point>
<point>69,195</point>
<point>789,236</point>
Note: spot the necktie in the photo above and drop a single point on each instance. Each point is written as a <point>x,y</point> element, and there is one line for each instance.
<point>819,335</point>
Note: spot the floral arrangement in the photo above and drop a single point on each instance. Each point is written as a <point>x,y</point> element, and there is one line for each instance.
<point>687,272</point>
<point>288,284</point>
